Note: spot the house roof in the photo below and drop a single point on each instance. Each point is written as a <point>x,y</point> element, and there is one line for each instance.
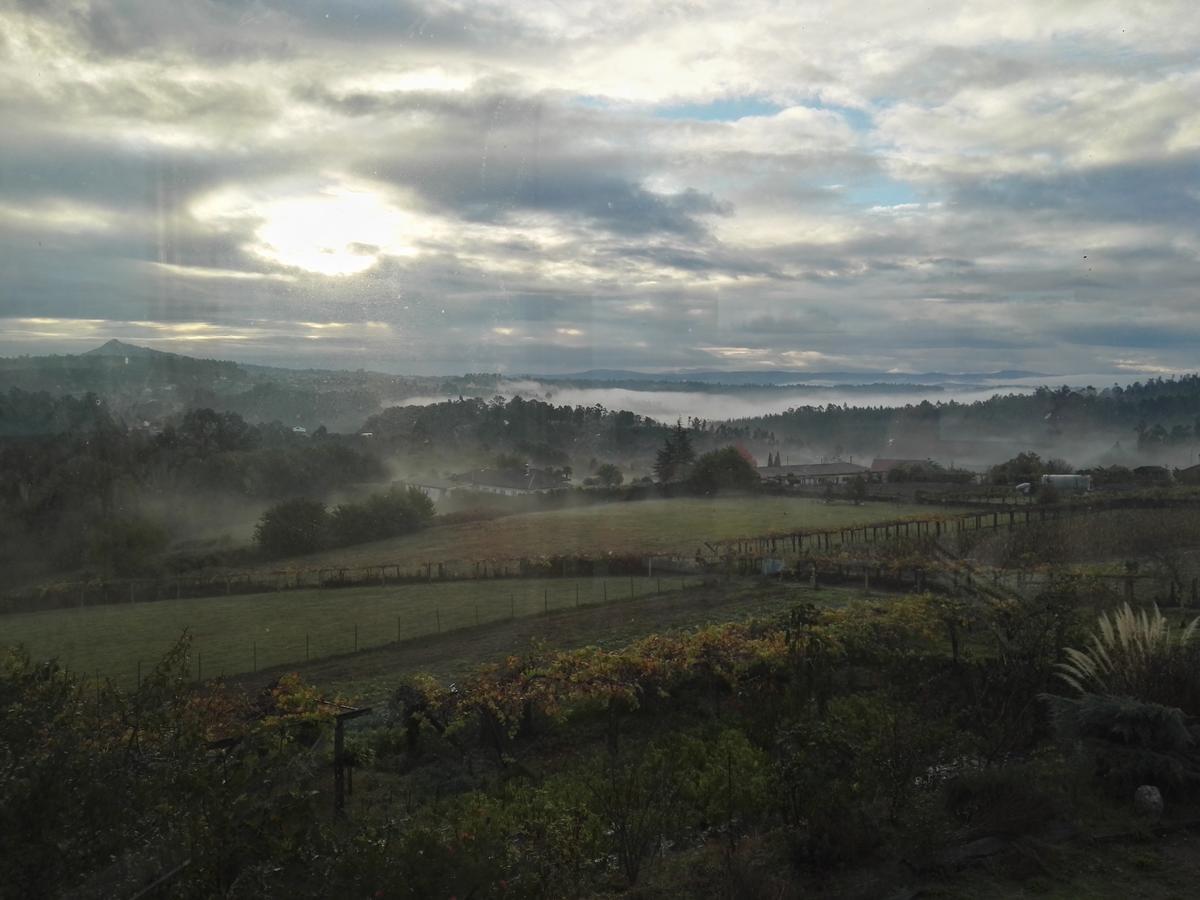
<point>812,470</point>
<point>440,484</point>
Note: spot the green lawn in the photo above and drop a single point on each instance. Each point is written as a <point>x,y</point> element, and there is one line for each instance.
<point>643,527</point>
<point>238,634</point>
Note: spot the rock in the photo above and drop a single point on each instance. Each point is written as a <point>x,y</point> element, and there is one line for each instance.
<point>1148,801</point>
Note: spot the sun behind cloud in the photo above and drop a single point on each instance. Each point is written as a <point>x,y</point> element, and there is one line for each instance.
<point>337,230</point>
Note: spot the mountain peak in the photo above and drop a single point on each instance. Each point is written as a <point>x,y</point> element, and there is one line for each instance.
<point>120,348</point>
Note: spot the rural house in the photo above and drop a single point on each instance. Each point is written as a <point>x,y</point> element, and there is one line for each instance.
<point>813,473</point>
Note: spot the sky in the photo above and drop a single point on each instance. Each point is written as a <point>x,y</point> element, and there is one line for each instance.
<point>551,186</point>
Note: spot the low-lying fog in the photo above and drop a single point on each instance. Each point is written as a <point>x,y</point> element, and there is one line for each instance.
<point>667,406</point>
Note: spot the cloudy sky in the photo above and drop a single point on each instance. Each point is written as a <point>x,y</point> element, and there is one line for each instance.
<point>556,185</point>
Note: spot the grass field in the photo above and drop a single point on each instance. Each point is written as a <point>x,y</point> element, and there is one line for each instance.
<point>240,634</point>
<point>642,527</point>
<point>368,677</point>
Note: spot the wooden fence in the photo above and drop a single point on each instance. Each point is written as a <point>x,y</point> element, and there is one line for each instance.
<point>751,549</point>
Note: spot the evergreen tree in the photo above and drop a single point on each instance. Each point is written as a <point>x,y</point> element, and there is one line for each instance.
<point>676,455</point>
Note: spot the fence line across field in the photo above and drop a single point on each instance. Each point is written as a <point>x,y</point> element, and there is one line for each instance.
<point>85,593</point>
<point>213,658</point>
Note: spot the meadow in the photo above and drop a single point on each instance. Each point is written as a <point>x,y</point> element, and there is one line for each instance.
<point>232,635</point>
<point>679,525</point>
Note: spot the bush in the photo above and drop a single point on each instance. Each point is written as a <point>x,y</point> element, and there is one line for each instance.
<point>609,475</point>
<point>293,527</point>
<point>125,546</point>
<point>380,516</point>
<point>842,778</point>
<point>1127,742</point>
<point>999,800</point>
<point>725,469</point>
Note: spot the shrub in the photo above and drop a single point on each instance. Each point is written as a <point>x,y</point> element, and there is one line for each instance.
<point>725,469</point>
<point>999,799</point>
<point>638,799</point>
<point>380,516</point>
<point>843,778</point>
<point>125,546</point>
<point>609,475</point>
<point>1129,742</point>
<point>293,527</point>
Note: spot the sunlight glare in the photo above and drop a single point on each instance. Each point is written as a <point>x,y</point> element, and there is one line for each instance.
<point>337,232</point>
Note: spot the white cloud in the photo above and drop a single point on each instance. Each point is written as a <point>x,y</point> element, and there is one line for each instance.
<point>908,186</point>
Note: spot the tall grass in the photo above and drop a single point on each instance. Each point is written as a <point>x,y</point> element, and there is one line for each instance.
<point>1134,654</point>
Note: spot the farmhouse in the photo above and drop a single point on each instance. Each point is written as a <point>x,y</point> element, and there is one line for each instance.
<point>881,466</point>
<point>1153,474</point>
<point>814,473</point>
<point>433,488</point>
<point>1190,475</point>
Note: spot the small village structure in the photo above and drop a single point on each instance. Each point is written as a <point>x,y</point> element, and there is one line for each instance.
<point>1189,475</point>
<point>814,473</point>
<point>436,489</point>
<point>881,466</point>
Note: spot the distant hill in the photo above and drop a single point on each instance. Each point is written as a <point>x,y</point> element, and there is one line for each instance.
<point>120,348</point>
<point>140,384</point>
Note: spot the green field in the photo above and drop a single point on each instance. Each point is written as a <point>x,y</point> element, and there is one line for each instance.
<point>239,634</point>
<point>370,676</point>
<point>639,527</point>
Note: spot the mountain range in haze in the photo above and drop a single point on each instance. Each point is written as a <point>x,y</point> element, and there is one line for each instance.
<point>780,377</point>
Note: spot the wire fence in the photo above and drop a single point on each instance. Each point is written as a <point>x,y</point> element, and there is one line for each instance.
<point>798,543</point>
<point>122,645</point>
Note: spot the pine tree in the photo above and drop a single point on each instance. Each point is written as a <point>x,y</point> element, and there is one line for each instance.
<point>676,455</point>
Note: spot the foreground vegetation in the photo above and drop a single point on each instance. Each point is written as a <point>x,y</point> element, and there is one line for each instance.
<point>834,751</point>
